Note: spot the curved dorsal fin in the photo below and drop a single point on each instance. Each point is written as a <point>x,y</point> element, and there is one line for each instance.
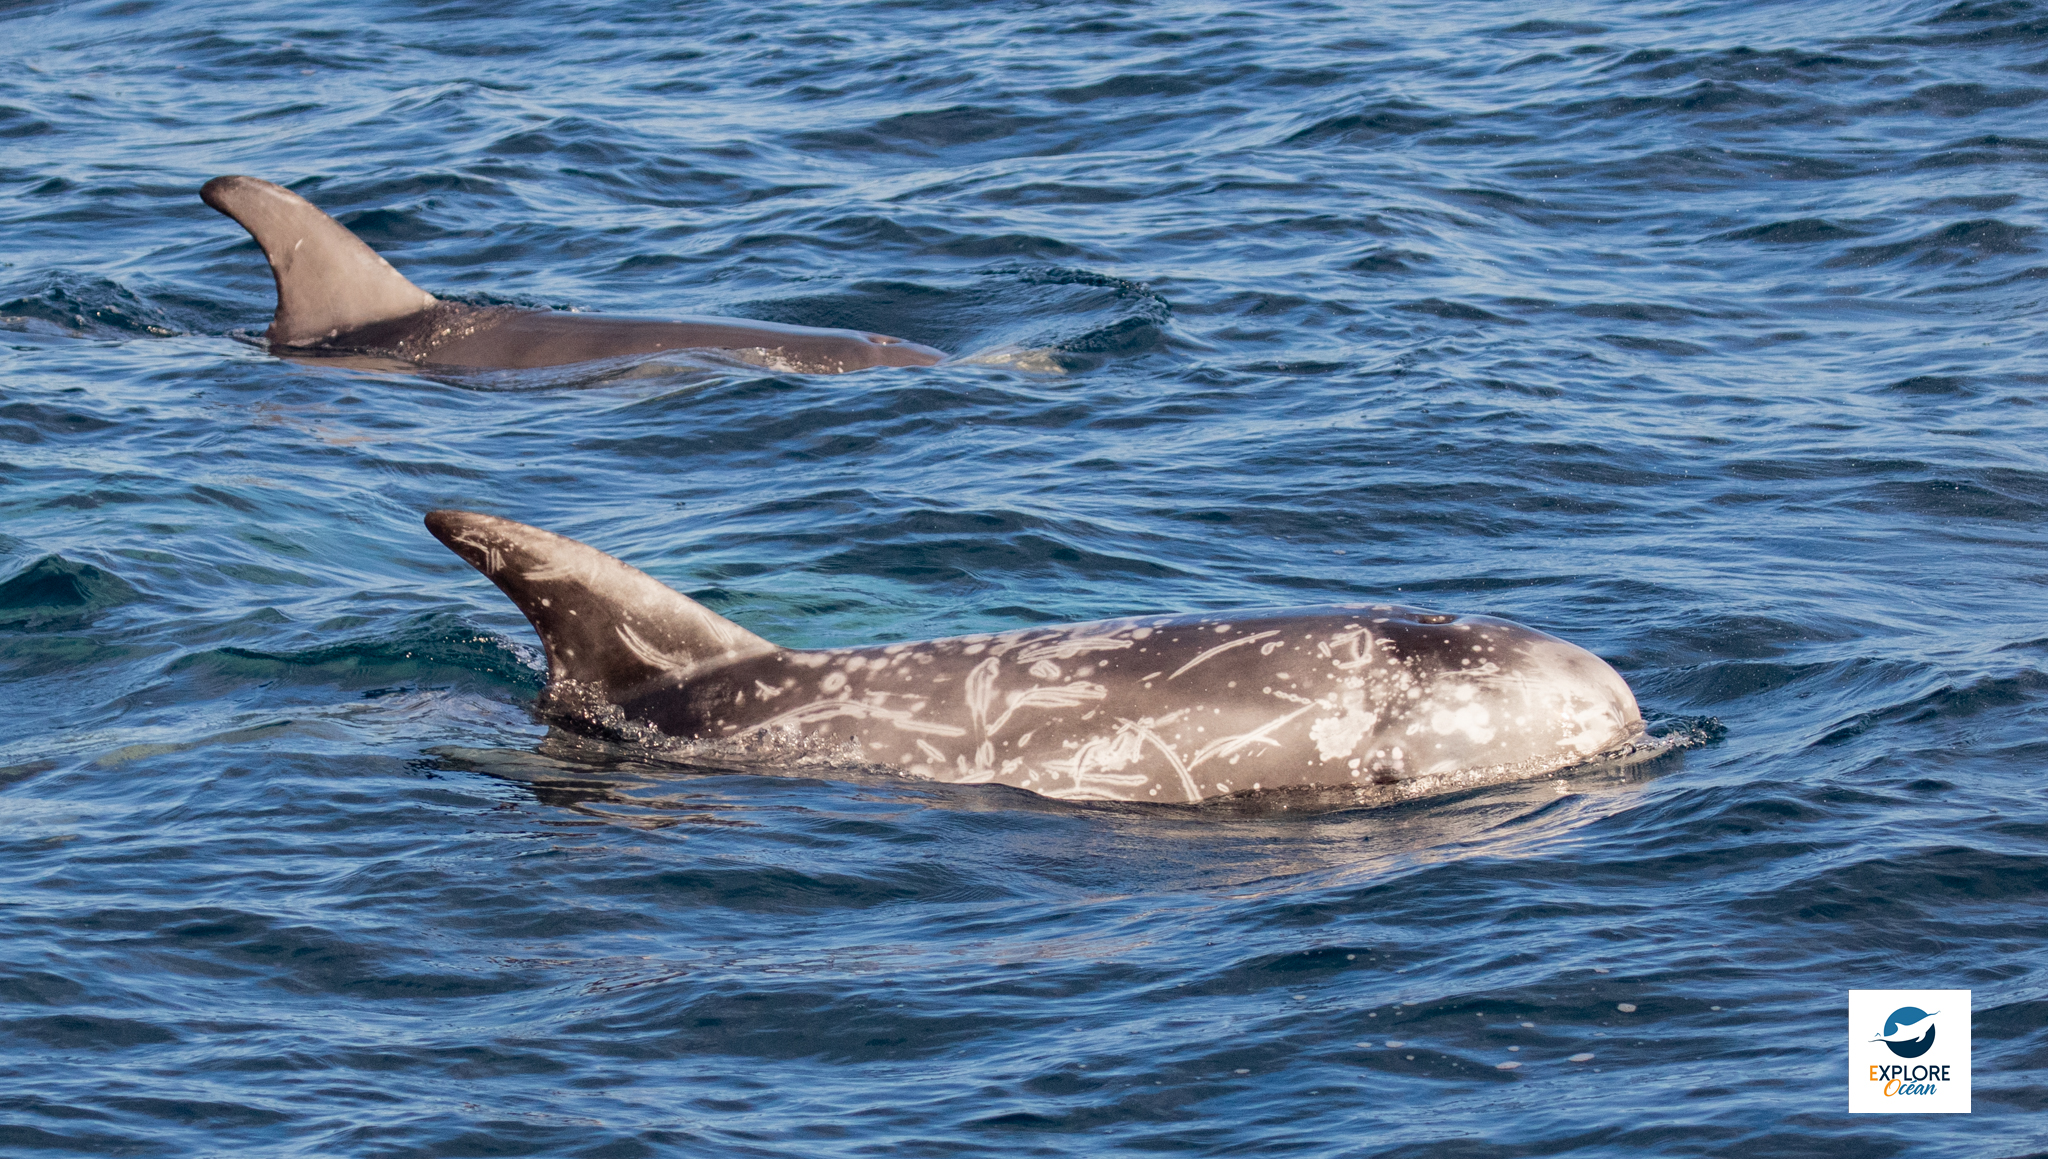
<point>328,281</point>
<point>609,629</point>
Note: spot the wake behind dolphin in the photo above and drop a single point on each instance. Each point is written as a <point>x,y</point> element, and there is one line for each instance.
<point>1389,701</point>
<point>336,295</point>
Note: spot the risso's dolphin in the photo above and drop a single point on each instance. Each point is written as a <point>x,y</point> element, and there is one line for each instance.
<point>335,295</point>
<point>1389,701</point>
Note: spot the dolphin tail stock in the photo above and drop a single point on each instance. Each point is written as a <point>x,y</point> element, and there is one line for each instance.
<point>608,629</point>
<point>328,281</point>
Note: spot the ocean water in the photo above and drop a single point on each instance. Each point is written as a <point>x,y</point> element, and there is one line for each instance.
<point>1708,336</point>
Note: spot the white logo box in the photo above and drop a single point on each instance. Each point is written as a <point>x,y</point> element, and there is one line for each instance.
<point>1909,1052</point>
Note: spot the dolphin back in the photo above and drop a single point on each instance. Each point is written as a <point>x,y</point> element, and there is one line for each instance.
<point>610,631</point>
<point>328,281</point>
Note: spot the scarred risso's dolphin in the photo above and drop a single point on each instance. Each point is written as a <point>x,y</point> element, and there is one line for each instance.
<point>335,295</point>
<point>1391,701</point>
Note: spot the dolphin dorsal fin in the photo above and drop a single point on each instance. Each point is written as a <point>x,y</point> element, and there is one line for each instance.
<point>609,629</point>
<point>328,281</point>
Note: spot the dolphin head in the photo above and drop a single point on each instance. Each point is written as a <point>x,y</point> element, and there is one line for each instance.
<point>1564,699</point>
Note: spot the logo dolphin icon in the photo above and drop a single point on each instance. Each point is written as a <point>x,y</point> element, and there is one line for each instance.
<point>1908,1032</point>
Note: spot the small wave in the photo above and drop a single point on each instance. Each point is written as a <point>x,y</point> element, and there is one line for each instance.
<point>1963,243</point>
<point>16,123</point>
<point>604,781</point>
<point>1551,28</point>
<point>1390,119</point>
<point>1990,149</point>
<point>1043,318</point>
<point>1950,701</point>
<point>1956,100</point>
<point>1456,312</point>
<point>1714,97</point>
<point>1979,11</point>
<point>957,129</point>
<point>1798,231</point>
<point>1725,681</point>
<point>2009,496</point>
<point>54,592</point>
<point>1886,902</point>
<point>85,306</point>
<point>1931,385</point>
<point>1756,66</point>
<point>29,423</point>
<point>431,654</point>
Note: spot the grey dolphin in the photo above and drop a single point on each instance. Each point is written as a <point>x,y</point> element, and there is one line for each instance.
<point>334,294</point>
<point>1389,701</point>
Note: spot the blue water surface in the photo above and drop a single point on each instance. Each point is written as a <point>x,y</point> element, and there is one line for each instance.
<point>1707,336</point>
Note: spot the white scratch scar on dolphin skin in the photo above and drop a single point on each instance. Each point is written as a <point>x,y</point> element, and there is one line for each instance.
<point>1221,648</point>
<point>1187,780</point>
<point>819,711</point>
<point>666,663</point>
<point>1106,751</point>
<point>1079,692</point>
<point>673,665</point>
<point>980,690</point>
<point>1262,734</point>
<point>553,572</point>
<point>493,559</point>
<point>1070,647</point>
